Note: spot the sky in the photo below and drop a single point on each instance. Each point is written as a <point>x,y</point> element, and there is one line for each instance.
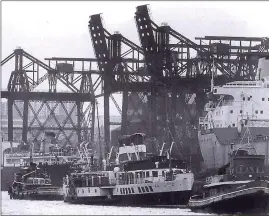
<point>51,29</point>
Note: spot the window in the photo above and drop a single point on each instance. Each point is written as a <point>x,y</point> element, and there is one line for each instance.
<point>150,188</point>
<point>155,173</point>
<point>129,189</point>
<point>95,190</point>
<point>82,191</point>
<point>261,112</point>
<point>132,190</point>
<point>89,190</point>
<point>256,111</point>
<point>263,99</point>
<point>248,98</point>
<point>233,125</point>
<point>139,189</point>
<point>147,174</point>
<point>147,189</point>
<point>143,189</point>
<point>241,111</point>
<point>163,173</point>
<point>231,111</point>
<point>244,98</point>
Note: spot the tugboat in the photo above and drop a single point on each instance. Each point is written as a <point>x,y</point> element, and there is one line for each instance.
<point>48,153</point>
<point>136,178</point>
<point>33,183</point>
<point>241,185</point>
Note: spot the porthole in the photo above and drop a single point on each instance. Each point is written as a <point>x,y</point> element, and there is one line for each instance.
<point>231,111</point>
<point>261,112</point>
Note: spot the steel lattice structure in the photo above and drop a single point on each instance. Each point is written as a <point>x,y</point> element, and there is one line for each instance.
<point>163,82</point>
<point>21,96</point>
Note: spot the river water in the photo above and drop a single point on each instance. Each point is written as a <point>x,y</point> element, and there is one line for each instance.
<point>30,207</point>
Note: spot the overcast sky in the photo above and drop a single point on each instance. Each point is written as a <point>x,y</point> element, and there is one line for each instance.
<point>50,29</point>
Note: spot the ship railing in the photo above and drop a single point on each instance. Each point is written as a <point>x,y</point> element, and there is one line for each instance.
<point>99,181</point>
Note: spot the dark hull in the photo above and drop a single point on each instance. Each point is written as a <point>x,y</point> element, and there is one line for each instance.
<point>56,172</point>
<point>251,203</point>
<point>167,198</point>
<point>26,196</point>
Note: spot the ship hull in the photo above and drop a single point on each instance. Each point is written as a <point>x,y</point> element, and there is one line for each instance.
<point>164,198</point>
<point>34,196</point>
<point>155,199</point>
<point>255,200</point>
<point>56,172</point>
<point>216,144</point>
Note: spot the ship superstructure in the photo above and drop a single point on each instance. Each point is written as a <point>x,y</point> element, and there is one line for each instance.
<point>234,107</point>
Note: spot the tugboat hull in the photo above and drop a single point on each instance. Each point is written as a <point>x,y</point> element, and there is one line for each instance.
<point>250,200</point>
<point>45,193</point>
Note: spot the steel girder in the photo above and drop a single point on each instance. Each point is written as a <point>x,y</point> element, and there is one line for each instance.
<point>239,54</point>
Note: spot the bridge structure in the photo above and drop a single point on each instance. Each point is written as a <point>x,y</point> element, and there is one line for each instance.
<point>168,72</point>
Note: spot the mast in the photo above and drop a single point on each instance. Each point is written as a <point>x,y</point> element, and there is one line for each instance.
<point>31,153</point>
<point>212,75</point>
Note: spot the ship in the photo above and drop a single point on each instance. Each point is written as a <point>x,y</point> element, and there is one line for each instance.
<point>33,183</point>
<point>232,108</point>
<point>56,160</point>
<point>240,186</point>
<point>135,178</point>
